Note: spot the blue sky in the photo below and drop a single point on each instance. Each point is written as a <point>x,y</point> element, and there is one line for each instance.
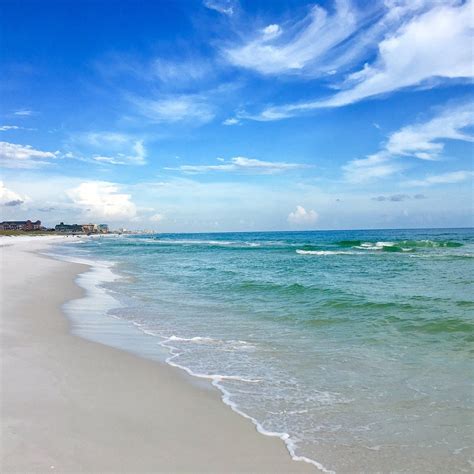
<point>227,115</point>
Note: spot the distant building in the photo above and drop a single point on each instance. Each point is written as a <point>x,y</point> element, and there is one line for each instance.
<point>69,228</point>
<point>20,225</point>
<point>103,228</point>
<point>89,228</point>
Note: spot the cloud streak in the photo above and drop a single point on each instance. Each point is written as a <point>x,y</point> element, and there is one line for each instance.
<point>430,45</point>
<point>299,47</point>
<point>191,108</point>
<point>424,141</point>
<point>445,178</point>
<point>242,165</point>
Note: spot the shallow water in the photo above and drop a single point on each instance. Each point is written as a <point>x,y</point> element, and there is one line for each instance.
<point>355,344</point>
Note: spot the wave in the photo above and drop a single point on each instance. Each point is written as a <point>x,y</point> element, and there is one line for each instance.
<point>193,339</point>
<point>399,245</point>
<point>220,243</point>
<point>433,326</point>
<point>324,252</point>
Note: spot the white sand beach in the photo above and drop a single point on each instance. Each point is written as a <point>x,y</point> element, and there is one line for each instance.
<point>71,405</point>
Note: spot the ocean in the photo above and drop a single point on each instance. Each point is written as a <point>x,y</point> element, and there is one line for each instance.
<point>354,347</point>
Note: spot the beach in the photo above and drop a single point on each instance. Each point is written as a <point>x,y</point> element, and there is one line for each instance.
<point>72,405</point>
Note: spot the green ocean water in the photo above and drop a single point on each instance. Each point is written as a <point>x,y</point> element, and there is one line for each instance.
<point>354,346</point>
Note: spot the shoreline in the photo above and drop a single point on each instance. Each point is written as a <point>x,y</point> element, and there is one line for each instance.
<point>70,404</point>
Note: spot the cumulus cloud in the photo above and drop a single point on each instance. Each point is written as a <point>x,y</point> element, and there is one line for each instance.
<point>429,45</point>
<point>300,216</point>
<point>445,178</point>
<point>423,140</point>
<point>243,165</point>
<point>23,156</point>
<point>10,198</point>
<point>102,200</point>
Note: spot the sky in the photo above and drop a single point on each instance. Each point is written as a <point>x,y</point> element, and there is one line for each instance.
<point>237,115</point>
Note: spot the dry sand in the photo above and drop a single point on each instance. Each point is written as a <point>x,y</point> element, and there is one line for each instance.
<point>71,405</point>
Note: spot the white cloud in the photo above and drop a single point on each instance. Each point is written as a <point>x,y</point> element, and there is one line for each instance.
<point>136,158</point>
<point>113,148</point>
<point>242,164</point>
<point>445,178</point>
<point>106,138</point>
<point>231,121</point>
<point>23,156</point>
<point>156,218</point>
<point>275,51</point>
<point>102,200</point>
<point>5,128</point>
<point>422,140</point>
<point>301,216</point>
<point>10,198</point>
<point>430,45</point>
<point>226,7</point>
<point>373,167</point>
<point>23,113</point>
<point>181,71</point>
<point>191,108</point>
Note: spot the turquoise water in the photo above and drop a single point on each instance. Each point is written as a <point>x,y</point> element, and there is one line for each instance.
<point>355,346</point>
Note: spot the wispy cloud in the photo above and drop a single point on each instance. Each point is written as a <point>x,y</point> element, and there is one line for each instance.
<point>445,178</point>
<point>23,156</point>
<point>179,72</point>
<point>430,45</point>
<point>111,148</point>
<point>226,7</point>
<point>242,165</point>
<point>421,140</point>
<point>302,46</point>
<point>157,218</point>
<point>23,112</point>
<point>373,167</point>
<point>5,128</point>
<point>138,157</point>
<point>191,108</point>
